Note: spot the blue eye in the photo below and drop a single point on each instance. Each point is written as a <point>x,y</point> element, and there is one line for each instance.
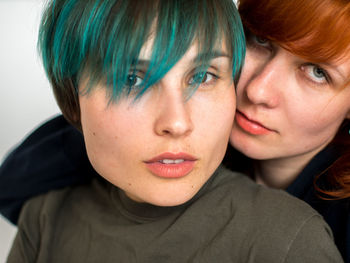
<point>316,73</point>
<point>132,80</point>
<point>202,78</point>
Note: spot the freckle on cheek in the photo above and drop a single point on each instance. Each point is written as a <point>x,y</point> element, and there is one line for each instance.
<point>94,134</point>
<point>129,184</point>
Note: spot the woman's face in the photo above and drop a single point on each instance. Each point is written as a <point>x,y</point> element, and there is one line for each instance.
<point>286,106</point>
<point>162,148</point>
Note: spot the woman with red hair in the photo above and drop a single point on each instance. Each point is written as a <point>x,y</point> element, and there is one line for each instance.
<point>292,123</point>
<point>293,104</point>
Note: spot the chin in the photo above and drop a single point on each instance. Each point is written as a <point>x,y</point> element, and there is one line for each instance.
<point>178,200</point>
<point>250,149</point>
<point>171,198</point>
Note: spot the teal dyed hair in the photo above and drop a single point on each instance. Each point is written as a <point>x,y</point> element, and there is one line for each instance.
<point>102,39</point>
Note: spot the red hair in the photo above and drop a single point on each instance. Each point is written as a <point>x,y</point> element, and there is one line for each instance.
<point>318,31</point>
<point>338,174</point>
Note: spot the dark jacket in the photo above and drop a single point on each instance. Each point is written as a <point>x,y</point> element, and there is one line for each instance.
<point>52,157</point>
<point>335,212</point>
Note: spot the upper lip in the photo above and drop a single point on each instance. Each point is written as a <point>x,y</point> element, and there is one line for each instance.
<point>172,156</point>
<point>252,120</point>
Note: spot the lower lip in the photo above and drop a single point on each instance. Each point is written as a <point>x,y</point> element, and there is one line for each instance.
<point>249,126</point>
<point>171,170</point>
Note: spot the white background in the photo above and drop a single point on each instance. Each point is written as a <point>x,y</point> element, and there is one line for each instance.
<point>26,99</point>
<point>25,96</point>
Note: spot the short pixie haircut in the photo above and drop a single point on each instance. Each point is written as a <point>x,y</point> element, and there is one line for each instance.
<point>102,39</point>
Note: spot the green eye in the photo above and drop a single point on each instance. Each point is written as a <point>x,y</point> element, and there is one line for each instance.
<point>201,77</point>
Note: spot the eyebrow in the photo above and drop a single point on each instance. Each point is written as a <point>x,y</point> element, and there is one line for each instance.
<point>144,63</point>
<point>211,55</point>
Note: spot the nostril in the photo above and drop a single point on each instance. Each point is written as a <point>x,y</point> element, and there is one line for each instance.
<point>165,132</point>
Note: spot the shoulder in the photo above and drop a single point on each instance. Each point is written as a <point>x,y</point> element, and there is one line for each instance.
<point>251,195</point>
<point>274,224</point>
<point>258,205</point>
<point>38,209</point>
<point>51,219</point>
<point>46,209</point>
<point>37,216</point>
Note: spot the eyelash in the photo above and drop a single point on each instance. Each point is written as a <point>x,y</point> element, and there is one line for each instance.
<point>201,79</point>
<point>253,41</point>
<point>132,77</point>
<point>202,76</point>
<point>327,78</point>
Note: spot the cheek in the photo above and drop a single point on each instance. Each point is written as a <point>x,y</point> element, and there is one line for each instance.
<point>249,68</point>
<point>315,120</point>
<point>98,141</point>
<point>227,111</point>
<point>103,133</point>
<point>216,119</point>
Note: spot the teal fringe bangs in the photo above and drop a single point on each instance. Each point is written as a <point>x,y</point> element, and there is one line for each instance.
<point>103,38</point>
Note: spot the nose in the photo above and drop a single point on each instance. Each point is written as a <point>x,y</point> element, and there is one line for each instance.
<point>265,80</point>
<point>173,114</point>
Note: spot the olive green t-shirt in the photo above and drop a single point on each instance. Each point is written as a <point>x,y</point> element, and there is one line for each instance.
<point>231,219</point>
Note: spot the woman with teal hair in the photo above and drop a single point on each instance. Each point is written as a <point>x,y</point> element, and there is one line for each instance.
<point>150,84</point>
<point>104,38</point>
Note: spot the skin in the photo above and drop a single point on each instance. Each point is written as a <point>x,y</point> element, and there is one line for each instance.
<point>121,136</point>
<point>301,104</point>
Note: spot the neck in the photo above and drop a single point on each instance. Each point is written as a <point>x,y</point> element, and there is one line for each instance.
<point>280,173</point>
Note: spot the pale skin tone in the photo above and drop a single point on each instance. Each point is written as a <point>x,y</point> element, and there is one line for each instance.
<point>300,103</point>
<point>120,137</point>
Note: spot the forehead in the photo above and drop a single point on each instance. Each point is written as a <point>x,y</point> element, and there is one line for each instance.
<point>193,51</point>
<point>146,50</point>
